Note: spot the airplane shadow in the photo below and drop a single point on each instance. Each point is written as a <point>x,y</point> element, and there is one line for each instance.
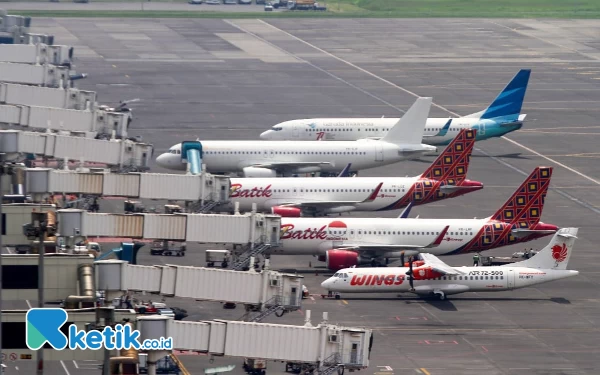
<point>447,305</point>
<point>516,155</point>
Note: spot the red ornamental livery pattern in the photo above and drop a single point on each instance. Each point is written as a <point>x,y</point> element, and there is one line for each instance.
<point>559,253</point>
<point>255,192</point>
<point>376,280</point>
<point>522,210</point>
<point>450,168</point>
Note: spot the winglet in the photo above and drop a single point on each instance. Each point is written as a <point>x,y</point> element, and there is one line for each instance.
<point>373,195</point>
<point>410,128</point>
<point>406,211</point>
<point>443,131</point>
<point>346,171</point>
<point>439,239</point>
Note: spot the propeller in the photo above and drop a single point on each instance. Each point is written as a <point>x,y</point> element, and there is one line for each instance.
<point>410,273</point>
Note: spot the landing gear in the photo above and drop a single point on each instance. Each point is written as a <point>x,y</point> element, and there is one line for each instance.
<point>439,295</point>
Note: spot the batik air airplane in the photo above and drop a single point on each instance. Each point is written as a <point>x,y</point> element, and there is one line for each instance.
<point>318,196</point>
<point>501,117</point>
<point>350,242</point>
<point>272,158</point>
<point>430,276</point>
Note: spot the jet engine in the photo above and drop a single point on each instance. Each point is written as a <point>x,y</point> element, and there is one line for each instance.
<point>259,172</point>
<point>416,263</point>
<point>425,273</point>
<point>337,259</point>
<point>286,211</point>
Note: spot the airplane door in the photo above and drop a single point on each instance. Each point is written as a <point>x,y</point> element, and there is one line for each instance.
<point>378,151</point>
<point>510,279</point>
<point>480,129</point>
<point>295,131</point>
<point>418,192</point>
<point>354,350</point>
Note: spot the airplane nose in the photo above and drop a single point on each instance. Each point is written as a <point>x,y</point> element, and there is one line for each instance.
<point>327,283</point>
<point>163,160</point>
<point>266,134</point>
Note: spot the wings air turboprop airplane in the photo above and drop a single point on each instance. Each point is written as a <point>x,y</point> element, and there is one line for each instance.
<point>348,242</point>
<point>501,117</point>
<point>430,276</point>
<point>318,196</point>
<point>270,158</point>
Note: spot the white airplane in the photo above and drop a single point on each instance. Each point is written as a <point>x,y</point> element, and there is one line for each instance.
<point>432,277</point>
<point>317,196</point>
<point>267,158</point>
<point>348,242</point>
<point>501,117</point>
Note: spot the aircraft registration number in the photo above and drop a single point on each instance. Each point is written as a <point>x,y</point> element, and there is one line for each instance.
<point>485,273</point>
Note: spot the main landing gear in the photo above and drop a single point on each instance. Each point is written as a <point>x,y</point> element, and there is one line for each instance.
<point>439,295</point>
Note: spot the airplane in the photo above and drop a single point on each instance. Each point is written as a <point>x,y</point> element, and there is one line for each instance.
<point>348,242</point>
<point>319,196</point>
<point>431,277</point>
<point>267,158</point>
<point>501,117</point>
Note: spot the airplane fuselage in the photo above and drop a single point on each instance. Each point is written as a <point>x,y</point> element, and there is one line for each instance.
<point>315,236</point>
<point>396,192</point>
<point>476,279</point>
<point>351,129</point>
<point>233,156</point>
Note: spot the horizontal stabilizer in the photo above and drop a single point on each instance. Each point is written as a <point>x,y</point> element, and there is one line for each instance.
<point>521,233</point>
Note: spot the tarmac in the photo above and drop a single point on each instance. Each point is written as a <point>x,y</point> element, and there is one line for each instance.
<point>232,79</point>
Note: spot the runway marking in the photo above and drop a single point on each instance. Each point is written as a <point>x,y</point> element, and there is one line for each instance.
<point>75,364</point>
<point>127,75</point>
<point>563,127</point>
<point>484,348</point>
<point>114,66</point>
<point>28,304</point>
<point>558,132</point>
<point>65,367</point>
<point>418,96</point>
<point>344,302</point>
<point>425,371</point>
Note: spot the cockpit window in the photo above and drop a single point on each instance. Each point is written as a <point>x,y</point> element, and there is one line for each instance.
<point>277,128</point>
<point>337,274</point>
<point>175,152</point>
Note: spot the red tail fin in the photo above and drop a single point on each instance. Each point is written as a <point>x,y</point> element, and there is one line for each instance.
<point>453,162</point>
<point>526,204</point>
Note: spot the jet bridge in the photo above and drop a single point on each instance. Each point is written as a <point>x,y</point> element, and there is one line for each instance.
<point>269,291</point>
<point>87,122</point>
<point>69,98</point>
<point>205,189</point>
<point>39,53</point>
<point>249,228</point>
<point>322,349</point>
<point>39,75</point>
<point>124,155</point>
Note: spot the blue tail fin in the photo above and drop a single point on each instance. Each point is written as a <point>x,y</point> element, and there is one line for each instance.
<point>508,103</point>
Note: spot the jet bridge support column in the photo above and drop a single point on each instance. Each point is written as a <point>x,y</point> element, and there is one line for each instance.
<point>191,152</point>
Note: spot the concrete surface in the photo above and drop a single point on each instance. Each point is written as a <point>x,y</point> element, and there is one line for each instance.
<point>132,6</point>
<point>194,82</point>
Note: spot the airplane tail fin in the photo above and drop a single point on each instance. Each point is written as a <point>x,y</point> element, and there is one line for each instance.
<point>556,254</point>
<point>525,206</point>
<point>410,128</point>
<point>453,162</point>
<point>509,102</point>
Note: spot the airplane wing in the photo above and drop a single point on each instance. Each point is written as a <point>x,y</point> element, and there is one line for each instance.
<point>394,247</point>
<point>437,265</point>
<point>326,204</point>
<point>283,165</point>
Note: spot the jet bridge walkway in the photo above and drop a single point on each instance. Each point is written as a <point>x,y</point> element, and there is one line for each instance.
<point>118,154</point>
<point>264,292</point>
<point>203,192</point>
